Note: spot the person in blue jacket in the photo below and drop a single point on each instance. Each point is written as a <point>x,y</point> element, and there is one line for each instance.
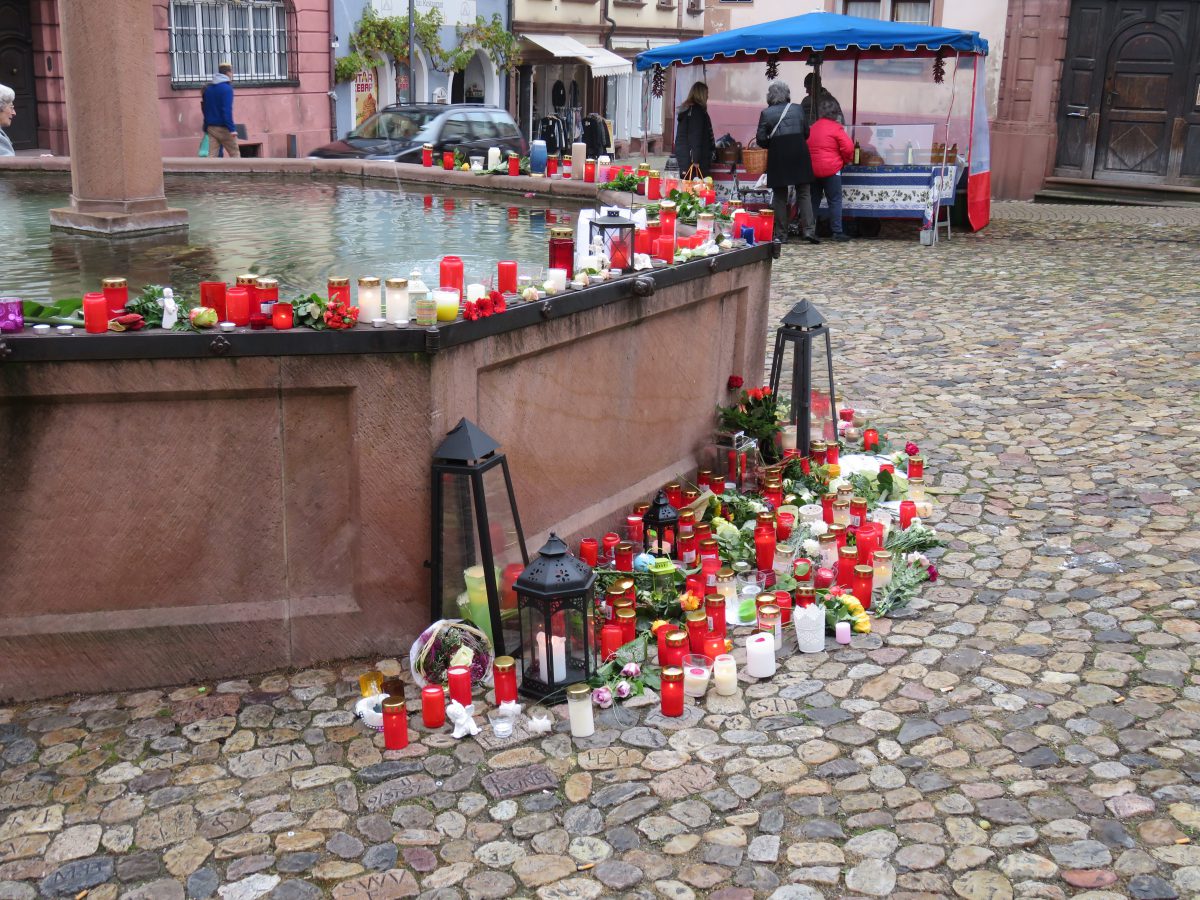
<point>217,105</point>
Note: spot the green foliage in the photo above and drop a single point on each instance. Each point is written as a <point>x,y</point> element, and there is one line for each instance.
<point>148,305</point>
<point>626,182</point>
<point>906,578</point>
<point>757,415</point>
<point>309,312</point>
<point>55,312</point>
<point>916,539</point>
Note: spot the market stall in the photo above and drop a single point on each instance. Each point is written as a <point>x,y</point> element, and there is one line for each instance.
<point>912,96</point>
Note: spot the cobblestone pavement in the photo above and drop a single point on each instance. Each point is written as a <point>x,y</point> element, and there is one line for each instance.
<point>1160,216</point>
<point>1030,730</point>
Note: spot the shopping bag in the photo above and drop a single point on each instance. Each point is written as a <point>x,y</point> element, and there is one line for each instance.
<point>203,145</point>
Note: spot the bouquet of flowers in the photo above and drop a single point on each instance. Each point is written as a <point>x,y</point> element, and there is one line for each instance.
<point>757,414</point>
<point>446,643</point>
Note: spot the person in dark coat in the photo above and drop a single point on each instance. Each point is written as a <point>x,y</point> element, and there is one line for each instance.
<point>784,132</point>
<point>694,143</point>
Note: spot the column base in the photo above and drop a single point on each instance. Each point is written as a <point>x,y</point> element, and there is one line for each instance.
<point>118,224</point>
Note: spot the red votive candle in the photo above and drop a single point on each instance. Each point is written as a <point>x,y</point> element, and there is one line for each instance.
<point>916,467</point>
<point>506,276</point>
<point>642,242</point>
<point>447,159</point>
<point>713,647</point>
<point>589,171</point>
<point>784,523</point>
<point>116,292</point>
<point>867,541</point>
<point>697,630</point>
<point>281,316</point>
<point>870,440</point>
<point>694,584</point>
<point>504,675</point>
<point>847,560</point>
<point>514,164</point>
<point>627,620</point>
<point>764,548</point>
<point>95,312</point>
<point>460,684</point>
<point>714,614</point>
<point>395,723</point>
<point>635,528</point>
<point>664,249</point>
<point>846,414</point>
<point>212,295</point>
<point>908,512</point>
<point>672,692</point>
<point>887,467</point>
<point>784,601</point>
<point>832,454</point>
<point>589,549</point>
<point>433,705</point>
<point>427,156</point>
<point>610,640</point>
<point>451,273</point>
<point>620,257</point>
<point>551,166</point>
<point>610,545</point>
<point>237,305</point>
<point>624,561</point>
<point>338,288</point>
<point>863,578</point>
<point>677,647</point>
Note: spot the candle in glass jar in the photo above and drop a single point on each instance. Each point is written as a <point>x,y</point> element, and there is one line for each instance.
<point>697,629</point>
<point>433,706</point>
<point>863,576</point>
<point>589,551</point>
<point>847,560</point>
<point>396,301</point>
<point>504,675</point>
<point>557,278</point>
<point>725,675</point>
<point>459,678</point>
<point>95,312</point>
<point>908,512</point>
<point>395,723</point>
<point>916,467</point>
<point>696,670</point>
<point>493,158</point>
<point>841,632</point>
<point>447,305</point>
<point>713,646</point>
<point>624,557</point>
<point>579,710</point>
<point>916,489</point>
<point>506,276</point>
<point>611,640</point>
<point>116,293</point>
<point>770,621</point>
<point>760,655</point>
<point>514,164</point>
<point>611,540</point>
<point>882,566</point>
<point>634,528</point>
<point>370,298</point>
<point>664,249</point>
<point>672,691</point>
<point>676,647</point>
<point>450,272</point>
<point>627,619</point>
<point>337,288</point>
<point>237,305</point>
<point>282,316</point>
<point>427,155</point>
<point>764,547</point>
<point>562,250</point>
<point>447,159</point>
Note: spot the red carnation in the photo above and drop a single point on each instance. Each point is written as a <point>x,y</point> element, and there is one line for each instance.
<point>735,382</point>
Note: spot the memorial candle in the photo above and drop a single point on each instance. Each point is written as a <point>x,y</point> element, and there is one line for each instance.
<point>95,312</point>
<point>672,692</point>
<point>677,647</point>
<point>514,164</point>
<point>841,632</point>
<point>610,641</point>
<point>827,501</point>
<point>579,710</point>
<point>460,684</point>
<point>867,540</point>
<point>908,512</point>
<point>504,676</point>
<point>764,547</point>
<point>714,610</point>
<point>212,295</point>
<point>237,305</point>
<point>589,549</point>
<point>624,557</point>
<point>395,723</point>
<point>863,577</point>
<point>562,251</point>
<point>697,629</point>
<point>870,440</point>
<point>610,545</point>
<point>696,670</point>
<point>506,276</point>
<point>447,160</point>
<point>847,560</point>
<point>427,155</point>
<point>433,706</point>
<point>634,528</point>
<point>116,292</point>
<point>282,316</point>
<point>916,467</point>
<point>725,675</point>
<point>370,297</point>
<point>760,655</point>
<point>664,249</point>
<point>713,647</point>
<point>627,619</point>
<point>450,271</point>
<point>882,565</point>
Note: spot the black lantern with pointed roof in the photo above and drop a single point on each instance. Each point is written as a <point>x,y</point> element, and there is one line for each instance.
<point>660,525</point>
<point>554,598</point>
<point>813,408</point>
<point>478,546</point>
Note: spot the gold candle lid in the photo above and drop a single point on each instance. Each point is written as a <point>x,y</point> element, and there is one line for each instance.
<point>677,639</point>
<point>396,283</point>
<point>339,281</point>
<point>714,599</point>
<point>768,613</point>
<point>848,553</point>
<point>579,691</point>
<point>666,205</point>
<point>626,612</point>
<point>841,503</point>
<point>863,570</point>
<point>805,590</point>
<point>672,673</point>
<point>559,232</point>
<point>710,544</point>
<point>725,572</point>
<point>826,538</point>
<point>248,280</point>
<point>393,705</point>
<point>837,530</point>
<point>368,281</point>
<point>697,615</point>
<point>504,664</point>
<point>114,283</point>
<point>883,556</point>
<point>615,591</point>
<point>267,283</point>
<point>624,584</point>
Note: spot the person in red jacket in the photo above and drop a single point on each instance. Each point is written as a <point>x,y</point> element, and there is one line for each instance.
<point>830,148</point>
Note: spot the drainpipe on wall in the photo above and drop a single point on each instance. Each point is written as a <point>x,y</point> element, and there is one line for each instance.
<point>611,23</point>
<point>511,94</point>
<point>332,77</point>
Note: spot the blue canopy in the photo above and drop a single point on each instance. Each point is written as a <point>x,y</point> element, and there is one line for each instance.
<point>815,32</point>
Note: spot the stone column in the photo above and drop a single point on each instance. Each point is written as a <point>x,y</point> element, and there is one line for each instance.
<point>112,119</point>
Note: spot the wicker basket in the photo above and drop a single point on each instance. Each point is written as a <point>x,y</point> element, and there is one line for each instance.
<point>754,160</point>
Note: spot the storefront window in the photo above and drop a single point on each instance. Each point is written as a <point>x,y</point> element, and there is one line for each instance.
<point>915,11</point>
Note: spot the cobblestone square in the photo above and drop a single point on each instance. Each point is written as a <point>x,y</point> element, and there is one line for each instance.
<point>1029,728</point>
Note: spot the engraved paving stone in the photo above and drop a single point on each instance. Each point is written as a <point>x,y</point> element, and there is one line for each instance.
<point>390,885</point>
<point>397,790</point>
<point>77,876</point>
<point>254,763</point>
<point>514,782</point>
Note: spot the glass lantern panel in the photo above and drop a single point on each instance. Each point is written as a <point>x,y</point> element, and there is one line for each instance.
<point>464,589</point>
<point>557,648</point>
<point>506,548</point>
<point>531,627</point>
<point>822,411</point>
<point>575,622</point>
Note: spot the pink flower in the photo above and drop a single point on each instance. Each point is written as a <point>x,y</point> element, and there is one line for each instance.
<point>911,449</point>
<point>602,697</point>
<point>623,689</point>
<point>932,572</point>
<point>631,670</point>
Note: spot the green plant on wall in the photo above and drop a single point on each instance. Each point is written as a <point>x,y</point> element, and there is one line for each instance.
<point>387,36</point>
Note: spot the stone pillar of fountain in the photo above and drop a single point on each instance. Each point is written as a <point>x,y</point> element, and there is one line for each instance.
<point>109,70</point>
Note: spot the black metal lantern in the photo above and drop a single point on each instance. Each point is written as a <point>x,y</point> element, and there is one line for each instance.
<point>660,524</point>
<point>554,600</point>
<point>613,236</point>
<point>478,545</point>
<point>813,402</point>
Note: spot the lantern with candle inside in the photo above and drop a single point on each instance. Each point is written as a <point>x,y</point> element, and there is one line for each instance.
<point>660,526</point>
<point>476,534</point>
<point>554,602</point>
<point>804,336</point>
<point>614,235</point>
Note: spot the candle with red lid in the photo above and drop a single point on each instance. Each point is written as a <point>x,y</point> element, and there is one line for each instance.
<point>459,678</point>
<point>504,674</point>
<point>433,706</point>
<point>610,641</point>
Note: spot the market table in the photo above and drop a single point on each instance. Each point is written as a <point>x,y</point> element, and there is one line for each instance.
<point>897,192</point>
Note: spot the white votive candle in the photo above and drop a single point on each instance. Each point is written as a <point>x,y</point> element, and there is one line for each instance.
<point>725,675</point>
<point>397,301</point>
<point>557,278</point>
<point>788,437</point>
<point>493,159</point>
<point>760,655</point>
<point>475,292</point>
<point>370,299</point>
<point>579,710</point>
<point>841,631</point>
<point>558,656</point>
<point>695,676</point>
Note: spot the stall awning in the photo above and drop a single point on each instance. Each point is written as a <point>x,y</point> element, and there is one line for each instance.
<point>602,62</point>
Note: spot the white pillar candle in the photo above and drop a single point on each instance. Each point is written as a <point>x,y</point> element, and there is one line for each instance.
<point>788,437</point>
<point>476,292</point>
<point>725,675</point>
<point>842,632</point>
<point>557,278</point>
<point>695,679</point>
<point>493,160</point>
<point>398,312</point>
<point>578,158</point>
<point>558,656</point>
<point>543,667</point>
<point>370,299</point>
<point>579,710</point>
<point>760,655</point>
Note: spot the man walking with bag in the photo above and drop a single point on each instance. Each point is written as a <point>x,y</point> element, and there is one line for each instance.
<point>217,105</point>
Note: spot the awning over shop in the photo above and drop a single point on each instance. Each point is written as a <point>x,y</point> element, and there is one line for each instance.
<point>602,62</point>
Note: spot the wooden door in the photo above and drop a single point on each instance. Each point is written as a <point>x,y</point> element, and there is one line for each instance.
<point>16,71</point>
<point>1139,105</point>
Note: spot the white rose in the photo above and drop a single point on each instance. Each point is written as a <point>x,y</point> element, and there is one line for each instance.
<point>811,548</point>
<point>816,529</point>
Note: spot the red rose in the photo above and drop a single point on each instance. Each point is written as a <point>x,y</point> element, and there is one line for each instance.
<point>735,382</point>
<point>911,449</point>
<point>766,391</point>
<point>754,393</point>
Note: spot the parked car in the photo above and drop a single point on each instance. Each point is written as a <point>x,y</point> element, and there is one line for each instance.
<point>398,132</point>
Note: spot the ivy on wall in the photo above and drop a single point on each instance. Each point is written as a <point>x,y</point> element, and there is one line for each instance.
<point>387,36</point>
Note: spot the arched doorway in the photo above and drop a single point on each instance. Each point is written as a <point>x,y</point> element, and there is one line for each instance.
<point>479,82</point>
<point>1136,111</point>
<point>420,79</point>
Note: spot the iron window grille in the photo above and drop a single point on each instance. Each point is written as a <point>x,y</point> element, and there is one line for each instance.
<point>257,36</point>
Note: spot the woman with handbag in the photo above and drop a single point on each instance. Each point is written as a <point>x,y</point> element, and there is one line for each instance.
<point>783,131</point>
<point>694,143</point>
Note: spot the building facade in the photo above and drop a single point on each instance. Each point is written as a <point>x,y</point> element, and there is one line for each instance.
<point>279,50</point>
<point>386,83</point>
